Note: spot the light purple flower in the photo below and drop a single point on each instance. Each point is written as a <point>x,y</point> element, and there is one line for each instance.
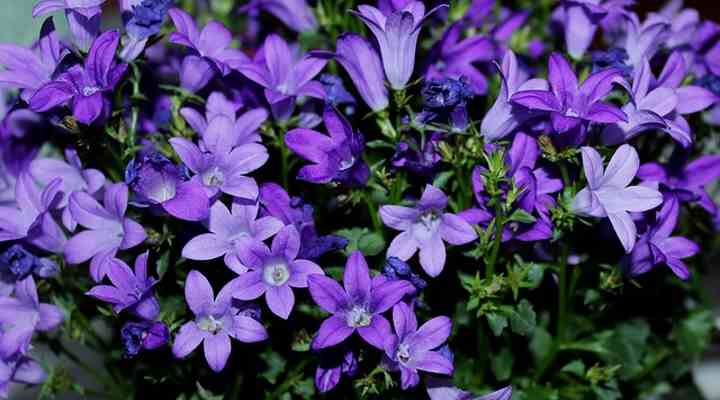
<point>142,19</point>
<point>19,369</point>
<point>210,50</point>
<point>284,76</point>
<point>244,127</point>
<point>22,315</point>
<point>504,117</point>
<point>28,70</point>
<point>656,246</point>
<point>362,63</point>
<point>216,321</point>
<point>570,103</point>
<point>74,179</point>
<point>296,14</point>
<point>397,36</point>
<point>337,157</point>
<point>580,21</point>
<point>608,194</point>
<point>425,227</point>
<point>356,307</point>
<point>230,232</point>
<point>274,272</point>
<point>412,349</point>
<point>85,85</point>
<point>108,229</point>
<point>83,17</point>
<point>684,23</point>
<point>642,40</point>
<point>31,219</point>
<point>131,290</point>
<point>443,389</point>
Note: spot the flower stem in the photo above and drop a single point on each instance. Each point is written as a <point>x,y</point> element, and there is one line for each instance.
<point>499,226</point>
<point>562,294</point>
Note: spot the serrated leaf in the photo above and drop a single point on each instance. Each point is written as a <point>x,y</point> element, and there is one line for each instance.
<point>523,319</point>
<point>497,323</point>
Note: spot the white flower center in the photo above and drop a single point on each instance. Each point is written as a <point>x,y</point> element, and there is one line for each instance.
<point>358,317</point>
<point>210,324</point>
<point>90,90</point>
<point>213,177</point>
<point>276,273</point>
<point>403,353</point>
<point>426,226</point>
<point>347,163</point>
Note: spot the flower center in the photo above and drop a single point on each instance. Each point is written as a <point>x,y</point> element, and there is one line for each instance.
<point>213,177</point>
<point>276,273</point>
<point>358,317</point>
<point>347,163</point>
<point>426,225</point>
<point>90,90</point>
<point>403,353</point>
<point>210,324</point>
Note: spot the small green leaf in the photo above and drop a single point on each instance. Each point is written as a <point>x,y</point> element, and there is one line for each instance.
<point>576,367</point>
<point>497,323</point>
<point>522,320</point>
<point>371,244</point>
<point>540,344</point>
<point>521,215</point>
<point>502,364</point>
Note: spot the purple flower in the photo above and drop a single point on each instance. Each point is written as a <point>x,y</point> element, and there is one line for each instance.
<point>285,77</point>
<point>293,211</point>
<point>397,269</point>
<point>157,181</point>
<point>684,23</point>
<point>144,335</point>
<point>411,349</point>
<point>504,117</point>
<point>108,229</point>
<point>568,103</point>
<point>28,70</point>
<point>230,232</point>
<point>19,369</point>
<point>244,127</point>
<point>608,194</point>
<point>210,51</point>
<point>334,363</point>
<point>215,323</point>
<point>445,102</point>
<point>31,218</point>
<point>85,85</point>
<point>425,227</point>
<point>335,158</point>
<point>273,272</point>
<point>443,389</point>
<point>132,290</point>
<point>296,14</point>
<point>22,315</point>
<point>397,36</point>
<point>685,180</point>
<point>83,17</point>
<point>357,307</point>
<point>656,246</point>
<point>362,62</point>
<point>421,161</point>
<point>580,20</point>
<point>74,179</point>
<point>17,263</point>
<point>142,19</point>
<point>642,40</point>
<point>454,58</point>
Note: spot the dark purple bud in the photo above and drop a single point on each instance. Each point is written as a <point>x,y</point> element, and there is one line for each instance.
<point>616,57</point>
<point>137,336</point>
<point>18,261</point>
<point>147,18</point>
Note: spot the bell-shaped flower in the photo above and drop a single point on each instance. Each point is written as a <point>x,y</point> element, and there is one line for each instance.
<point>19,369</point>
<point>142,19</point>
<point>362,62</point>
<point>216,321</point>
<point>608,194</point>
<point>397,36</point>
<point>83,17</point>
<point>295,14</point>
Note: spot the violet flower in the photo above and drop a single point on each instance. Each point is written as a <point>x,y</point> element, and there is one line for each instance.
<point>656,246</point>
<point>453,58</point>
<point>608,194</point>
<point>30,219</point>
<point>284,77</point>
<point>420,161</point>
<point>686,180</point>
<point>214,324</point>
<point>334,363</point>
<point>108,229</point>
<point>397,36</point>
<point>156,181</point>
<point>337,157</point>
<point>210,51</point>
<point>293,211</point>
<point>231,231</point>
<point>570,103</point>
<point>22,315</point>
<point>74,179</point>
<point>443,389</point>
<point>131,290</point>
<point>28,70</point>
<point>143,335</point>
<point>19,369</point>
<point>445,102</point>
<point>83,17</point>
<point>424,228</point>
<point>361,61</point>
<point>356,307</point>
<point>17,263</point>
<point>296,14</point>
<point>504,117</point>
<point>580,22</point>
<point>274,272</point>
<point>642,40</point>
<point>412,349</point>
<point>142,19</point>
<point>85,85</point>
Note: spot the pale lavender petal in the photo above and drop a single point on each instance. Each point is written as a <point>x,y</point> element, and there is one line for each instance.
<point>387,294</point>
<point>356,277</point>
<point>280,300</point>
<point>327,293</point>
<point>625,229</point>
<point>217,350</point>
<point>332,331</point>
<point>206,247</point>
<point>692,99</point>
<point>376,333</point>
<point>432,333</point>
<point>622,167</point>
<point>398,217</point>
<point>188,339</point>
<point>301,269</point>
<point>432,256</point>
<point>455,230</point>
<point>248,330</point>
<point>198,292</point>
<point>403,246</point>
<point>433,361</point>
<point>249,286</point>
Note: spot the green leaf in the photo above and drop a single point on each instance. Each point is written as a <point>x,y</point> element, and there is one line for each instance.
<point>502,364</point>
<point>275,366</point>
<point>379,144</point>
<point>497,323</point>
<point>693,334</point>
<point>540,344</point>
<point>163,263</point>
<point>205,394</point>
<point>370,243</point>
<point>521,215</point>
<point>522,320</point>
<point>576,367</point>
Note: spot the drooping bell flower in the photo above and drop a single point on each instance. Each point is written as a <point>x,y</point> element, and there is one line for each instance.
<point>397,35</point>
<point>296,14</point>
<point>84,86</point>
<point>83,17</point>
<point>580,22</point>
<point>142,19</point>
<point>361,61</point>
<point>143,335</point>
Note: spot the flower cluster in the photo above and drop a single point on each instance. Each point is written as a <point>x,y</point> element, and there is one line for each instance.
<point>253,159</point>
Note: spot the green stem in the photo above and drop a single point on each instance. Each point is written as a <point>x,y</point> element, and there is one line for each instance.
<point>499,226</point>
<point>374,215</point>
<point>562,294</point>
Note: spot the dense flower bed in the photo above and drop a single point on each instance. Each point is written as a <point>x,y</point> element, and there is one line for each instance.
<point>282,199</point>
